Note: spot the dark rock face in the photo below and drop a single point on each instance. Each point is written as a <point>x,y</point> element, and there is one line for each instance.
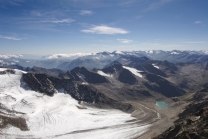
<point>17,122</point>
<point>163,86</point>
<point>49,85</point>
<point>40,83</point>
<point>82,74</point>
<point>81,62</point>
<point>113,68</point>
<point>168,65</point>
<point>197,58</point>
<point>52,72</point>
<point>8,71</point>
<point>112,64</point>
<point>150,68</point>
<point>201,94</point>
<point>8,118</point>
<point>127,77</point>
<point>192,124</point>
<point>124,75</point>
<point>206,68</point>
<point>134,59</point>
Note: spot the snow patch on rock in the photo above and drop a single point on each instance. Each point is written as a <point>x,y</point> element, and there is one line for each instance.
<point>174,53</point>
<point>155,66</point>
<point>103,73</point>
<point>134,71</point>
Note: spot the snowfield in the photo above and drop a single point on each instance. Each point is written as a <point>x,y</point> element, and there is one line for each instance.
<point>155,66</point>
<point>61,116</point>
<point>103,73</point>
<point>134,71</point>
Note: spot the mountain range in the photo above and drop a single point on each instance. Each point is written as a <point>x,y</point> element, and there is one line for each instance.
<point>82,88</point>
<point>101,59</point>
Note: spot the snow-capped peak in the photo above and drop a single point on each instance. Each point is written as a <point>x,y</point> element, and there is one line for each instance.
<point>149,51</point>
<point>10,56</point>
<point>56,56</point>
<point>205,52</point>
<point>174,53</point>
<point>118,52</point>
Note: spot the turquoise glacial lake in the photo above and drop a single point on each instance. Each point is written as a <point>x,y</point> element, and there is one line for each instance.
<point>161,104</point>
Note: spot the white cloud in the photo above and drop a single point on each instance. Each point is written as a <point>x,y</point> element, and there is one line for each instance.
<point>67,20</point>
<point>195,42</point>
<point>10,38</point>
<point>105,30</point>
<point>124,41</point>
<point>86,12</point>
<point>198,22</point>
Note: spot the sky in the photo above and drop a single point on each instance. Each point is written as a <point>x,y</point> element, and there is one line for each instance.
<point>45,27</point>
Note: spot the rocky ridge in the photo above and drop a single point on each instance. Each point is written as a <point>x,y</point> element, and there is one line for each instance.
<point>192,122</point>
<point>49,85</point>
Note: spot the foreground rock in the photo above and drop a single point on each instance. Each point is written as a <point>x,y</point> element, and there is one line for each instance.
<point>190,126</point>
<point>192,122</point>
<point>49,85</point>
<point>7,71</point>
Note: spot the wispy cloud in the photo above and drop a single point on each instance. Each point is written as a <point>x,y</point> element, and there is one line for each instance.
<point>137,3</point>
<point>14,2</point>
<point>105,30</point>
<point>139,16</point>
<point>195,42</point>
<point>36,13</point>
<point>86,12</point>
<point>124,41</point>
<point>146,5</point>
<point>156,4</point>
<point>10,38</point>
<point>198,22</point>
<point>67,20</point>
<point>6,3</point>
<point>128,2</point>
<point>42,13</point>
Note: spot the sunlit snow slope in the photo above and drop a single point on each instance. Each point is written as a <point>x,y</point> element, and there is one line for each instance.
<point>134,71</point>
<point>60,116</point>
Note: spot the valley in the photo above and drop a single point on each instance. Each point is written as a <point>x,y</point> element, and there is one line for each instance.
<point>130,97</point>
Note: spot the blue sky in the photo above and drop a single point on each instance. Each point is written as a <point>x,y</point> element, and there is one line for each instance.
<point>69,26</point>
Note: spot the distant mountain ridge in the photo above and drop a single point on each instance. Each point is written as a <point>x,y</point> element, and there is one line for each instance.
<point>136,53</point>
<point>101,59</point>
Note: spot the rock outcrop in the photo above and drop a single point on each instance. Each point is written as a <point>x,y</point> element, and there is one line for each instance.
<point>192,124</point>
<point>127,77</point>
<point>82,74</point>
<point>161,85</point>
<point>49,85</point>
<point>193,121</point>
<point>52,72</point>
<point>7,71</point>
